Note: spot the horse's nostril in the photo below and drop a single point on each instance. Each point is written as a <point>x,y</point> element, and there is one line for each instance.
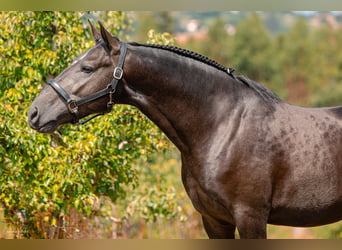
<point>33,116</point>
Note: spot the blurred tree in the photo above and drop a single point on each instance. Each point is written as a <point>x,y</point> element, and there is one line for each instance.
<point>165,22</point>
<point>218,41</point>
<point>274,23</point>
<point>326,73</point>
<point>159,21</point>
<point>252,51</point>
<point>146,22</point>
<point>296,61</point>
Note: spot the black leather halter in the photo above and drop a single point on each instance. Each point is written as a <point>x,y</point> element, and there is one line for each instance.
<point>110,90</point>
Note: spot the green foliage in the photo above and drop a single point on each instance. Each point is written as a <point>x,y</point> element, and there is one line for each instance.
<point>160,179</point>
<point>156,193</point>
<point>336,233</point>
<point>219,40</point>
<point>160,22</point>
<point>160,38</point>
<point>252,49</point>
<point>42,178</point>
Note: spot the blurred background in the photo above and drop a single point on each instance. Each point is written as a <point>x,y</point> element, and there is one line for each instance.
<point>98,182</point>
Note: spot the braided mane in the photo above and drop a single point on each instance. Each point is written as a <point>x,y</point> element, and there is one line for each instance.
<point>188,53</point>
<point>259,89</point>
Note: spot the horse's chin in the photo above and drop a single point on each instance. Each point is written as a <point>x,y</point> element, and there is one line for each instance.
<point>48,128</point>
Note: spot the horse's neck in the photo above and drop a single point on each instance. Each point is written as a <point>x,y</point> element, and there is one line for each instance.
<point>184,97</point>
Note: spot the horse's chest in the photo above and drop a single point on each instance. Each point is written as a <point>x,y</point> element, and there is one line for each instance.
<point>206,198</point>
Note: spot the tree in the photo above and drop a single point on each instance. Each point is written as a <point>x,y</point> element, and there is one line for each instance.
<point>161,22</point>
<point>296,53</point>
<point>252,50</point>
<point>325,75</point>
<point>219,41</point>
<point>45,181</point>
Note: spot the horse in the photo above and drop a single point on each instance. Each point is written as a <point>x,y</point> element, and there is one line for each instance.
<point>248,158</point>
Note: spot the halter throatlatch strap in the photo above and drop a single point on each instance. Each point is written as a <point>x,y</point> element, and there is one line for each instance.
<point>110,90</point>
<point>117,75</point>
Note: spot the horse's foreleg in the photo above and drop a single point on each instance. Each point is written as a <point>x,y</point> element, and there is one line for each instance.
<point>218,230</point>
<point>251,224</point>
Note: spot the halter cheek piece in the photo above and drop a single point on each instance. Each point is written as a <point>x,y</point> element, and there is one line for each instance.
<point>110,90</point>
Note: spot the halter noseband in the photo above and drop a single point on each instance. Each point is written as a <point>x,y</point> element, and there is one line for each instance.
<point>110,90</point>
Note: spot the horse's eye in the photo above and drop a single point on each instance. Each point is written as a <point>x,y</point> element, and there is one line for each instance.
<point>87,69</point>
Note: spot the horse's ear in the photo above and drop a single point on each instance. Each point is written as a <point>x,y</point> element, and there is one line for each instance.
<point>112,44</point>
<point>96,33</point>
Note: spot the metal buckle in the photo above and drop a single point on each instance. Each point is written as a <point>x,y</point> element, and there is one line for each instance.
<point>110,103</point>
<point>118,72</point>
<point>72,106</point>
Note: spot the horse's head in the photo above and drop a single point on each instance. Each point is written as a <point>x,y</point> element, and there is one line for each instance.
<point>72,94</point>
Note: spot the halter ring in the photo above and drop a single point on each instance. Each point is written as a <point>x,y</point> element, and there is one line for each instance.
<point>72,106</point>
